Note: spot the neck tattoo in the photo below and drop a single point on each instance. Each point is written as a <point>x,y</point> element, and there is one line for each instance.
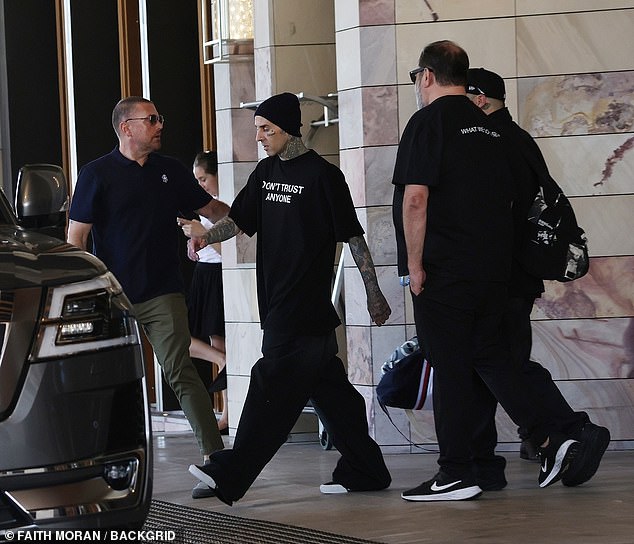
<point>294,148</point>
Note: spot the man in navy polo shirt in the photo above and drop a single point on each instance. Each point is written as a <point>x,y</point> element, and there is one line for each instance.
<point>129,199</point>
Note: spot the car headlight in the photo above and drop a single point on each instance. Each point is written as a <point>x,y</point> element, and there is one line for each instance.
<point>85,316</point>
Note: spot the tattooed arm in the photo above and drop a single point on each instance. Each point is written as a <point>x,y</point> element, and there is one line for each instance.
<point>224,229</point>
<point>378,307</point>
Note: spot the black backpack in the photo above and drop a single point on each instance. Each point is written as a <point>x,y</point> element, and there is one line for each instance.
<point>554,246</point>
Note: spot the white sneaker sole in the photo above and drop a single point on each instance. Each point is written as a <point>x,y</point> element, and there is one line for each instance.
<point>204,478</point>
<point>332,489</point>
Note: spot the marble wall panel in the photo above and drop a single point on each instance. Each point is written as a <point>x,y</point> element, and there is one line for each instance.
<point>265,60</point>
<point>367,393</point>
<point>350,118</point>
<point>391,434</point>
<point>591,165</point>
<point>237,387</point>
<point>346,14</point>
<point>359,352</point>
<point>242,133</point>
<point>246,249</point>
<point>243,343</point>
<point>237,174</point>
<point>368,117</point>
<point>348,65</point>
<point>406,105</point>
<point>533,7</point>
<point>605,291</point>
<point>385,340</point>
<point>488,42</point>
<point>376,12</point>
<point>380,116</point>
<point>356,307</point>
<point>378,55</point>
<point>608,222</point>
<point>233,83</point>
<point>241,82</point>
<point>378,169</point>
<point>585,348</point>
<point>575,43</point>
<point>263,24</point>
<point>439,10</point>
<point>598,103</point>
<point>353,167</point>
<point>301,23</point>
<point>354,13</point>
<point>380,235</point>
<point>422,427</point>
<point>222,87</point>
<point>240,295</point>
<point>310,69</point>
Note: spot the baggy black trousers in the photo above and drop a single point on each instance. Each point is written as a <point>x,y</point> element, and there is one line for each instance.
<point>293,370</point>
<point>460,324</point>
<point>547,398</point>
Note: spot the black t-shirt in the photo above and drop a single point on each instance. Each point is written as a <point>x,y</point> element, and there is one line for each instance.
<point>300,209</point>
<point>519,146</point>
<point>451,147</point>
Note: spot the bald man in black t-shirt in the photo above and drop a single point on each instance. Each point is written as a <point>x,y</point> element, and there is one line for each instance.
<point>453,202</point>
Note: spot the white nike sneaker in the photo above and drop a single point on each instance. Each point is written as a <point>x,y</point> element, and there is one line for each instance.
<point>444,488</point>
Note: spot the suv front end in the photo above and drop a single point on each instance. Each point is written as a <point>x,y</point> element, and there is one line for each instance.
<point>75,444</point>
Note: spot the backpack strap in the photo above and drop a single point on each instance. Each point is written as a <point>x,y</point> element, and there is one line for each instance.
<point>550,189</point>
<point>384,408</point>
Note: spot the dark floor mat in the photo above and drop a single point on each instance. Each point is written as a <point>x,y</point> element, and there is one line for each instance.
<point>194,526</point>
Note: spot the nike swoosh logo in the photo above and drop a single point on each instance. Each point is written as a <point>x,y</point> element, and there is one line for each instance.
<point>435,487</point>
<point>545,468</point>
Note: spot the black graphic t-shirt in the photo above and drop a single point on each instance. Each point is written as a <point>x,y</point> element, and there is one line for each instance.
<point>452,147</point>
<point>300,209</point>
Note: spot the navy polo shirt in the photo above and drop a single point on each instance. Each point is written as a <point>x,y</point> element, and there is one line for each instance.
<point>133,212</point>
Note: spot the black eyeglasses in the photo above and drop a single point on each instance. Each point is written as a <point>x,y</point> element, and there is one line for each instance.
<point>152,118</point>
<point>412,73</point>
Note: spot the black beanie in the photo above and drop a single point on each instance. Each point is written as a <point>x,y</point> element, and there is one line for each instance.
<point>282,110</point>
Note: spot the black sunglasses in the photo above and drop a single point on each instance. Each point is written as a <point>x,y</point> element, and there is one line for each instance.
<point>152,118</point>
<point>412,73</point>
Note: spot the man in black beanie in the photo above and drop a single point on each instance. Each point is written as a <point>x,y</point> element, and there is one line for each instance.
<point>300,207</point>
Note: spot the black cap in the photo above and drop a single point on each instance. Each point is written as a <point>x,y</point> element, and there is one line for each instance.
<point>282,110</point>
<point>481,81</point>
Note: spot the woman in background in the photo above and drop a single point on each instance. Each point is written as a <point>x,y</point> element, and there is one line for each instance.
<point>205,299</point>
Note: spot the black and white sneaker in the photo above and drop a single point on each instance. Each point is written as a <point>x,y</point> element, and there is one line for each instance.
<point>203,473</point>
<point>594,441</point>
<point>202,490</point>
<point>444,488</point>
<point>556,458</point>
<point>199,472</point>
